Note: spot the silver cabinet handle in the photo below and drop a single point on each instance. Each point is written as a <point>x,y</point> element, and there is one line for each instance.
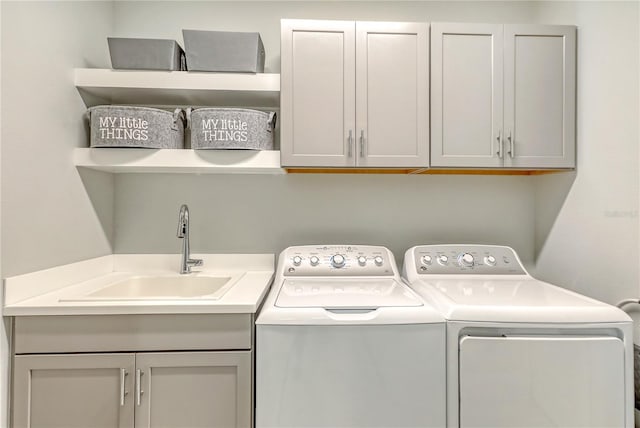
<point>350,144</point>
<point>499,138</point>
<point>512,152</point>
<point>362,143</point>
<point>123,392</point>
<point>139,390</point>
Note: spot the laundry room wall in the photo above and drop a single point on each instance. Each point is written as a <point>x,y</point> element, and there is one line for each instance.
<point>587,222</point>
<point>49,215</point>
<point>267,213</point>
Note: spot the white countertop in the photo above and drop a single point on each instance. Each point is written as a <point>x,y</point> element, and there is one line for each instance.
<point>52,291</point>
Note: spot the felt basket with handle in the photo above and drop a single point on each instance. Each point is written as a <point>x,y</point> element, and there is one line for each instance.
<point>133,126</point>
<point>231,128</point>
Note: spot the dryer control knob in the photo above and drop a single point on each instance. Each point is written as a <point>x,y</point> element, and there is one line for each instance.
<point>378,260</point>
<point>314,260</point>
<point>337,260</point>
<point>297,260</point>
<point>466,260</point>
<point>426,259</point>
<point>490,260</point>
<point>362,260</point>
<point>443,260</point>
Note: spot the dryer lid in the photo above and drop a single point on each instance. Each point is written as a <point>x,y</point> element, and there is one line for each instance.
<point>347,293</point>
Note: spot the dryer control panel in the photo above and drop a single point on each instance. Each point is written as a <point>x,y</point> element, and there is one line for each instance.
<point>467,259</point>
<point>337,260</point>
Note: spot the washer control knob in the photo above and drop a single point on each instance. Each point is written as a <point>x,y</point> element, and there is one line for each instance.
<point>337,260</point>
<point>490,260</point>
<point>297,260</point>
<point>426,259</point>
<point>314,260</point>
<point>378,260</point>
<point>443,260</point>
<point>466,260</point>
<point>362,260</point>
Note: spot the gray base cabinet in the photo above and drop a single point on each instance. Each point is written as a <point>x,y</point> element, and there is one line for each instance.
<point>202,389</point>
<point>503,96</point>
<point>73,391</point>
<point>72,382</point>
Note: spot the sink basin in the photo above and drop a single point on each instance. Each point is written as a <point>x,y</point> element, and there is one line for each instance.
<point>162,288</point>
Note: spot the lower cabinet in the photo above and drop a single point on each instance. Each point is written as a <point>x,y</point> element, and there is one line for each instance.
<point>191,389</point>
<point>126,371</point>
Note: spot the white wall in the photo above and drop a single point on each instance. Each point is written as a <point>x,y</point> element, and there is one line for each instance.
<point>587,223</point>
<point>4,332</point>
<point>47,216</point>
<point>235,213</point>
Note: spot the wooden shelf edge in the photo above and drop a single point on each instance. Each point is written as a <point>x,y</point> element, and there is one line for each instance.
<point>422,171</point>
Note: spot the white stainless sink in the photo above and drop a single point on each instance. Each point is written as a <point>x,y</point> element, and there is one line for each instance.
<point>159,287</point>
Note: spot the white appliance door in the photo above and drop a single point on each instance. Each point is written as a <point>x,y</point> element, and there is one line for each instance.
<point>541,381</point>
<point>344,376</point>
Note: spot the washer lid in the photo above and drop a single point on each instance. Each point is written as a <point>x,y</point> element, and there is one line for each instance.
<point>347,293</point>
<point>521,300</point>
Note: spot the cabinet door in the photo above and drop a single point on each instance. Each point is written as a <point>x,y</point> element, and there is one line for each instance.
<point>194,389</point>
<point>540,96</point>
<point>67,391</point>
<point>317,94</point>
<point>392,93</point>
<point>466,95</point>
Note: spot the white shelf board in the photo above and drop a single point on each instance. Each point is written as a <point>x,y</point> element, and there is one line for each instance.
<point>181,88</point>
<point>179,161</point>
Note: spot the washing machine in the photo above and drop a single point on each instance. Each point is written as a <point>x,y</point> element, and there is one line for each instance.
<point>522,352</point>
<point>341,341</point>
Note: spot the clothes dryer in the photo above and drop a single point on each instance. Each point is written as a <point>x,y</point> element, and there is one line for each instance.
<point>341,341</point>
<point>522,352</point>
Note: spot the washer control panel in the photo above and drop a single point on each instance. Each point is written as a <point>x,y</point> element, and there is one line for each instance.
<point>467,259</point>
<point>337,260</point>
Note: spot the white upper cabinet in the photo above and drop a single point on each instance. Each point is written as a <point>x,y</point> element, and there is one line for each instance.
<point>502,96</point>
<point>540,95</point>
<point>354,94</point>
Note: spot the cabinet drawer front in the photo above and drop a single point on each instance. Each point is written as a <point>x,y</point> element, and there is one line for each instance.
<point>118,333</point>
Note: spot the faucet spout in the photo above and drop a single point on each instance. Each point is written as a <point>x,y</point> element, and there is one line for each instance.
<point>186,262</point>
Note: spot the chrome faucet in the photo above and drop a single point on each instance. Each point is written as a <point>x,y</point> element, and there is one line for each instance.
<point>186,262</point>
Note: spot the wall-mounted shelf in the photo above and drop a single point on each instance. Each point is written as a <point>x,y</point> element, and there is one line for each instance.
<point>180,88</point>
<point>179,161</point>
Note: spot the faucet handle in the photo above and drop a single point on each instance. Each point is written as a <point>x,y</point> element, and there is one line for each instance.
<point>195,262</point>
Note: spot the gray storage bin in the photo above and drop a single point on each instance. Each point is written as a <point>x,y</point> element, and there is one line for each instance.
<point>139,127</point>
<point>224,51</point>
<point>231,128</point>
<point>145,54</point>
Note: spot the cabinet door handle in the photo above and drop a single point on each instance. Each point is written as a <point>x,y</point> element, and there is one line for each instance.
<point>123,392</point>
<point>139,390</point>
<point>362,143</point>
<point>512,151</point>
<point>500,143</point>
<point>350,144</point>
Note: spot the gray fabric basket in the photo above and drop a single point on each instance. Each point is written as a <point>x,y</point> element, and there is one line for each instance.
<point>224,51</point>
<point>145,54</point>
<point>139,127</point>
<point>231,128</point>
